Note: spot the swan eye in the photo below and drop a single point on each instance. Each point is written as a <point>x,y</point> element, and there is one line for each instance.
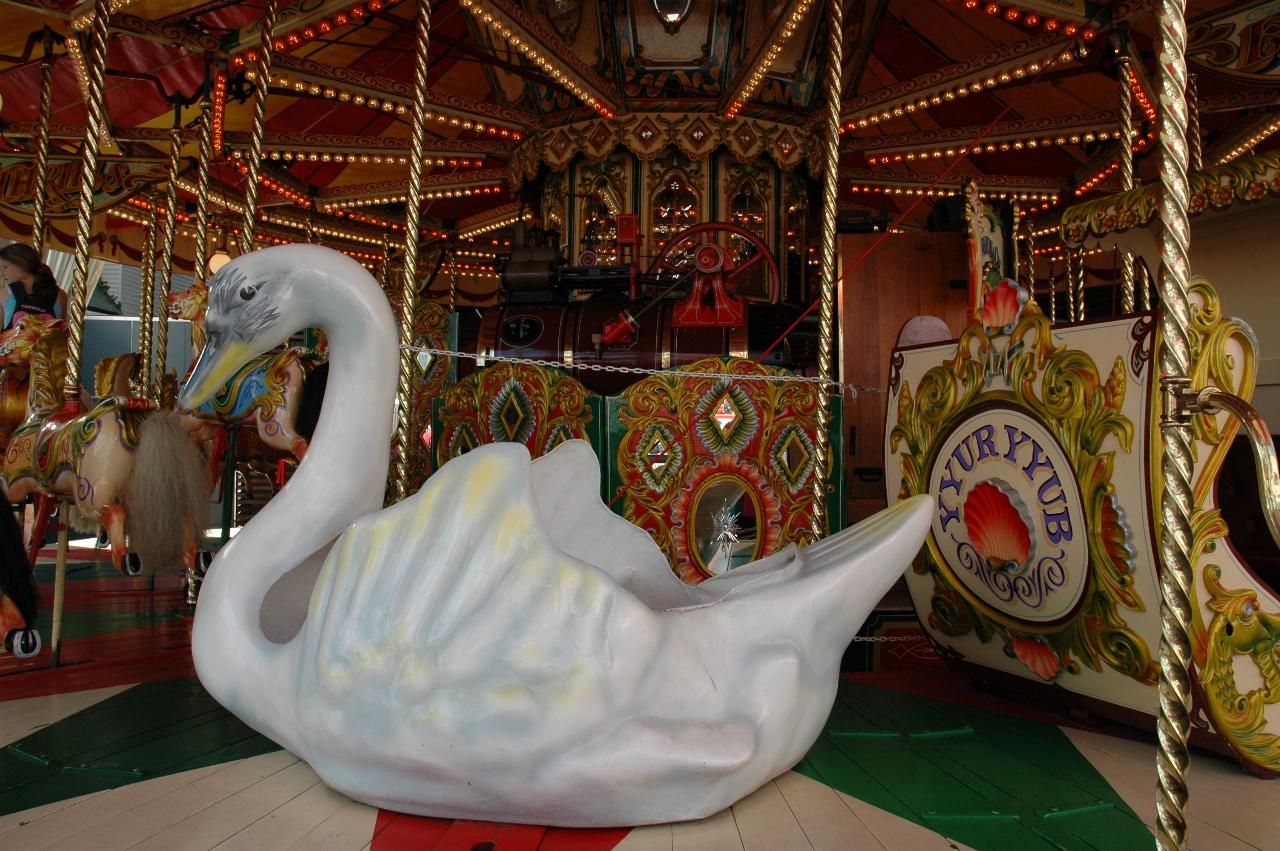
<point>248,291</point>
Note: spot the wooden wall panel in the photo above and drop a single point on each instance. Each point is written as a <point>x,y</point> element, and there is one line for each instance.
<point>906,275</point>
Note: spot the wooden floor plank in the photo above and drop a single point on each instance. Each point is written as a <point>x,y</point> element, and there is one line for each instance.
<point>208,827</point>
<point>717,833</point>
<point>21,718</point>
<point>894,831</point>
<point>827,822</point>
<point>766,823</point>
<point>348,829</point>
<point>1250,820</point>
<point>122,827</point>
<point>12,821</point>
<point>289,823</point>
<point>55,822</point>
<point>655,837</point>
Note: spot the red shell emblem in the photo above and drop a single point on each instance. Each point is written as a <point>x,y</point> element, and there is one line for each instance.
<point>1002,306</point>
<point>1038,656</point>
<point>995,526</point>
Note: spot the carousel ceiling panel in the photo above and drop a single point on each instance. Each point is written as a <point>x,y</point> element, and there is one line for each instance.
<point>688,58</point>
<point>1240,41</point>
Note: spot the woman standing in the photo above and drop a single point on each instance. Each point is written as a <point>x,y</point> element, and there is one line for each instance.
<point>31,287</point>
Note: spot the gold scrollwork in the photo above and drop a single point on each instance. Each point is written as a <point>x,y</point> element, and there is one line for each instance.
<point>1241,628</point>
<point>1064,391</point>
<point>684,432</point>
<point>520,403</point>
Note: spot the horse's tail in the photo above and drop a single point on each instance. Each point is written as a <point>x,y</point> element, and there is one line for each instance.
<point>16,581</point>
<point>167,494</point>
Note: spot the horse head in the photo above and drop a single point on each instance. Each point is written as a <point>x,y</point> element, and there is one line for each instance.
<point>18,343</point>
<point>189,304</point>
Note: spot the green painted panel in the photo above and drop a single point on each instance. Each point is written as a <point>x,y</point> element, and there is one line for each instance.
<point>989,781</point>
<point>147,731</point>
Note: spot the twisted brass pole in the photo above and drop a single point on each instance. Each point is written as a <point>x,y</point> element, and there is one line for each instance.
<point>1126,175</point>
<point>203,155</point>
<point>1079,285</point>
<point>41,199</point>
<point>1053,296</point>
<point>1194,162</point>
<point>453,279</point>
<point>1173,721</point>
<point>262,83</point>
<point>383,271</point>
<point>409,277</point>
<point>827,308</point>
<point>1068,276</point>
<point>146,288</point>
<point>95,60</point>
<point>1144,286</point>
<point>161,351</point>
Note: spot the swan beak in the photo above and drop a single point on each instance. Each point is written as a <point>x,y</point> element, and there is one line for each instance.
<point>214,369</point>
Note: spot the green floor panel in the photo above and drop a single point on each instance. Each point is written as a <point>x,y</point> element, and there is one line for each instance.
<point>989,781</point>
<point>146,731</point>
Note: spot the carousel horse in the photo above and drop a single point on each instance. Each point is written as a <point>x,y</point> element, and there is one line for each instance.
<point>87,456</point>
<point>267,391</point>
<point>500,645</point>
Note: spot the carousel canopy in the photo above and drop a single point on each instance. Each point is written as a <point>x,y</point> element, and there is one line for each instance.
<point>1021,97</point>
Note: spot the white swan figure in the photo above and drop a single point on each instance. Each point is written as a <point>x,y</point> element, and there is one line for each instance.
<point>501,646</point>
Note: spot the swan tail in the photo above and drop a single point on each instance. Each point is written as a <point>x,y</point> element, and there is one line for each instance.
<point>834,584</point>
<point>166,494</point>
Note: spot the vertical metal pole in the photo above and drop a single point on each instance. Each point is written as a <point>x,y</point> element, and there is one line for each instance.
<point>1079,285</point>
<point>453,279</point>
<point>409,277</point>
<point>1053,296</point>
<point>204,154</point>
<point>146,289</point>
<point>1194,162</point>
<point>262,83</point>
<point>1126,174</point>
<point>1173,722</point>
<point>827,307</point>
<point>166,264</point>
<point>60,583</point>
<point>95,60</point>
<point>1068,274</point>
<point>41,199</point>
<point>1144,286</point>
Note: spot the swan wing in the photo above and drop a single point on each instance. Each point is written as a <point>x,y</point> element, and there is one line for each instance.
<point>455,610</point>
<point>566,487</point>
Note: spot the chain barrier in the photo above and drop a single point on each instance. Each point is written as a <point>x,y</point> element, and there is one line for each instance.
<point>880,639</point>
<point>852,389</point>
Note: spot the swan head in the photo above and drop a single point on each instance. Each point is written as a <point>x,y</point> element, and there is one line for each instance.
<point>254,306</point>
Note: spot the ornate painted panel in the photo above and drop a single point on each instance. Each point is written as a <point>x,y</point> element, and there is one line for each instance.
<point>519,403</point>
<point>436,328</point>
<point>1041,448</point>
<point>718,469</point>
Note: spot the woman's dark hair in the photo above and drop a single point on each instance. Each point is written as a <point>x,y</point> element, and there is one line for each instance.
<point>26,258</point>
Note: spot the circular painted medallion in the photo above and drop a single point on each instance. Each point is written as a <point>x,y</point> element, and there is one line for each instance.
<point>1008,521</point>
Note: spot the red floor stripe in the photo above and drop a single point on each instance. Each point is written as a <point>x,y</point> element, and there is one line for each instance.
<point>490,836</point>
<point>397,832</point>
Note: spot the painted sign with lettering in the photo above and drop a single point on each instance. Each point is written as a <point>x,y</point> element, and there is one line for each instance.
<point>1009,524</point>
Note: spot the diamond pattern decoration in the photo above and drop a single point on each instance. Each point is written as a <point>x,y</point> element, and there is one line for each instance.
<point>511,415</point>
<point>648,134</point>
<point>659,457</point>
<point>424,360</point>
<point>602,138</point>
<point>725,414</point>
<point>726,419</point>
<point>559,434</point>
<point>792,457</point>
<point>463,441</point>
